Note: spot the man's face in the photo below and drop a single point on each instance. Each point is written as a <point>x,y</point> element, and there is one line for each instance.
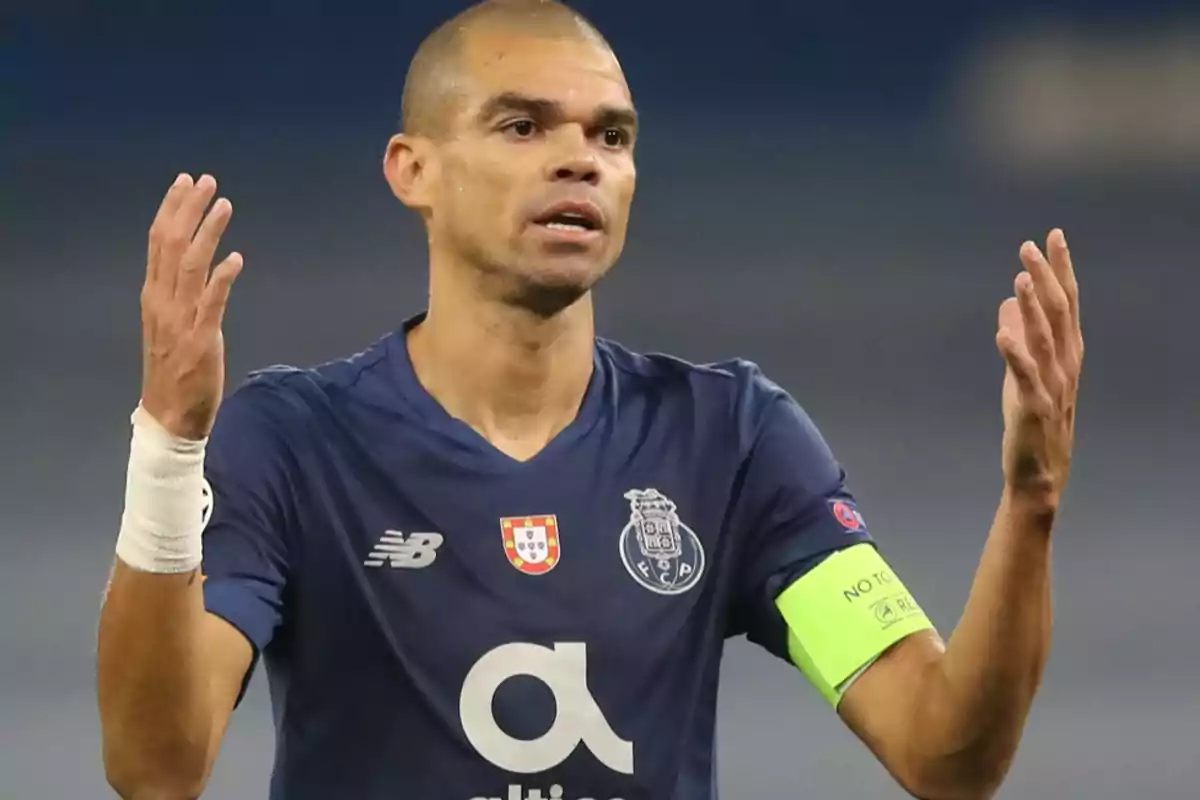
<point>536,175</point>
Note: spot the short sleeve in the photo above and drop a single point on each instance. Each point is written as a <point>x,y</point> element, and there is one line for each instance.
<point>246,553</point>
<point>793,510</point>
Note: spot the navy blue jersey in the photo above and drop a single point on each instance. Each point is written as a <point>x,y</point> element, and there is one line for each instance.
<point>439,621</point>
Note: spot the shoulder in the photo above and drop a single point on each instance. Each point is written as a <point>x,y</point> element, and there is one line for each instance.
<point>735,390</point>
<point>728,378</point>
<point>284,399</point>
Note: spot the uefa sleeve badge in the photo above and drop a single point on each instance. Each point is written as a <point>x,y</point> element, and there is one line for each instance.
<point>847,515</point>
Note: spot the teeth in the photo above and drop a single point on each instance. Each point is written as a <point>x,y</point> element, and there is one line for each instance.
<point>564,226</point>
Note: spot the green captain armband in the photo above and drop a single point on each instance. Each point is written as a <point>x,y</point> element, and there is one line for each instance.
<point>843,614</point>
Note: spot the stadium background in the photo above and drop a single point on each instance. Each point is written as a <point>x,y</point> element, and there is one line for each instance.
<point>835,190</point>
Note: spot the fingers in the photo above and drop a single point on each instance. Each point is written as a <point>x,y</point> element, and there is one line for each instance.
<point>183,228</point>
<point>192,206</point>
<point>193,268</point>
<point>1039,337</point>
<point>210,311</point>
<point>1064,271</point>
<point>162,221</point>
<point>183,240</point>
<point>1051,297</point>
<point>172,231</point>
<point>1021,364</point>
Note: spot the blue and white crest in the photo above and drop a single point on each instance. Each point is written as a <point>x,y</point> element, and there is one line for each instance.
<point>658,550</point>
<point>206,504</point>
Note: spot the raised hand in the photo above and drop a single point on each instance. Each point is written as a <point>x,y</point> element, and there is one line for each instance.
<point>183,305</point>
<point>1041,341</point>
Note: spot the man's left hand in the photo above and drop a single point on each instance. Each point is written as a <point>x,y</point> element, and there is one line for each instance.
<point>1041,341</point>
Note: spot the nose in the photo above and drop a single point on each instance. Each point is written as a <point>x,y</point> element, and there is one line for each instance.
<point>578,170</point>
<point>575,163</point>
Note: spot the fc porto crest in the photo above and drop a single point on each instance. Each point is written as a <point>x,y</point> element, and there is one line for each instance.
<point>531,543</point>
<point>659,551</point>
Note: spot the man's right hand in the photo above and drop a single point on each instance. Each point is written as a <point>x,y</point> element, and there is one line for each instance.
<point>183,305</point>
<point>168,671</point>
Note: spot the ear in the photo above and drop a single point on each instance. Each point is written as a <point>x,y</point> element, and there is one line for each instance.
<point>410,164</point>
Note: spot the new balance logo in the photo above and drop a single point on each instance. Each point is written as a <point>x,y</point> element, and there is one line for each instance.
<point>414,552</point>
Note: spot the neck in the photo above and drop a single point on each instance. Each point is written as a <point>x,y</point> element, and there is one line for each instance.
<point>516,378</point>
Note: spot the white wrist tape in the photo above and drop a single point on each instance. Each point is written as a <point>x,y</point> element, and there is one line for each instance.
<point>164,502</point>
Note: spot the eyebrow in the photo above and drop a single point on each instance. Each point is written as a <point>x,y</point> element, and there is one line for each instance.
<point>605,116</point>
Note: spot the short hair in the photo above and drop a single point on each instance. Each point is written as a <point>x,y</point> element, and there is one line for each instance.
<point>425,103</point>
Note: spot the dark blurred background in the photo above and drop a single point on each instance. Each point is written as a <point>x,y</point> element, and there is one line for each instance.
<point>835,190</point>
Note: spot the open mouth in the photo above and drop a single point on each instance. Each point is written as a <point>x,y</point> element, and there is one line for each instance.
<point>571,220</point>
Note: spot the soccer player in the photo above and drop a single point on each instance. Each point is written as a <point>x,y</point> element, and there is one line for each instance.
<point>495,557</point>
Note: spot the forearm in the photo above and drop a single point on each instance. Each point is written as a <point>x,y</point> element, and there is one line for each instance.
<point>973,702</point>
<point>153,690</point>
<point>946,718</point>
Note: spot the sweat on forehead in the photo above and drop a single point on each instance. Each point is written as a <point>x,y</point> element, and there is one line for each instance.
<point>439,60</point>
